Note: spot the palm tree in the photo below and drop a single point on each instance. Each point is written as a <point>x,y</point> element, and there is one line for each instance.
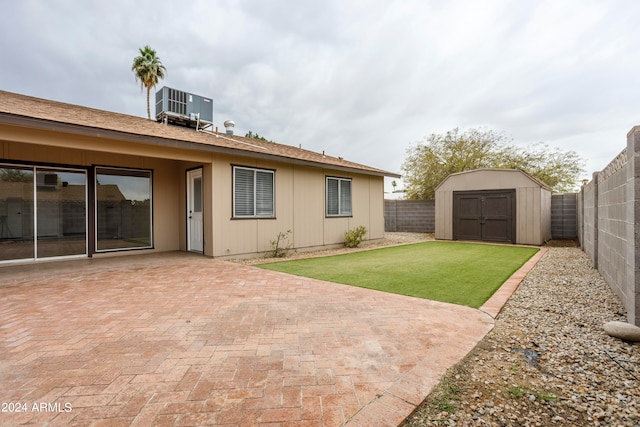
<point>148,69</point>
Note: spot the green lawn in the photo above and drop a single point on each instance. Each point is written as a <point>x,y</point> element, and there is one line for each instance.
<point>460,273</point>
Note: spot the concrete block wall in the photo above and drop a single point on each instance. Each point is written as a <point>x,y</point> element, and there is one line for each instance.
<point>612,227</point>
<point>630,290</point>
<point>610,224</point>
<point>411,216</point>
<point>419,216</point>
<point>564,218</point>
<point>589,213</point>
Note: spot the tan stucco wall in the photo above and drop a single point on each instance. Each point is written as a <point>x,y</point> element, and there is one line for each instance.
<point>533,202</point>
<point>300,191</point>
<point>300,207</point>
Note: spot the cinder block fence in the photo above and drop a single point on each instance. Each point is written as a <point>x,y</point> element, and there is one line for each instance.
<point>419,216</point>
<point>609,224</point>
<point>411,216</point>
<point>564,216</point>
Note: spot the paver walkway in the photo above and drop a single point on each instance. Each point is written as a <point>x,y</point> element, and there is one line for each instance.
<point>179,340</point>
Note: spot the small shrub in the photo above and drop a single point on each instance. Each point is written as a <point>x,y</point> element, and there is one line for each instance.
<point>518,391</point>
<point>281,245</point>
<point>353,238</point>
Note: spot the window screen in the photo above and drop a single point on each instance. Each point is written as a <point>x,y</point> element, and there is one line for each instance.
<point>253,193</point>
<point>338,197</point>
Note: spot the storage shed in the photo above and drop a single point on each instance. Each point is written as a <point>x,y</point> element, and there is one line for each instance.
<point>493,205</point>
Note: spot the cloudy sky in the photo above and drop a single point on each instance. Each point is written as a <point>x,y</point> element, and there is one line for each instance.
<point>360,79</point>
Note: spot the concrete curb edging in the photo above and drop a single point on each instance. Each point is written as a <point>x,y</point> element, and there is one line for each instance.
<point>494,305</point>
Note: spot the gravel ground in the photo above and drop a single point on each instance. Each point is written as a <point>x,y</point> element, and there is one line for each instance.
<point>390,239</point>
<point>548,361</point>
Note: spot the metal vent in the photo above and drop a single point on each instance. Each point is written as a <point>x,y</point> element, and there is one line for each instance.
<point>228,126</point>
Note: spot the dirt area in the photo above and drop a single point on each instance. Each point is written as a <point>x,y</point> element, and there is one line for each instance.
<point>563,243</point>
<point>390,239</point>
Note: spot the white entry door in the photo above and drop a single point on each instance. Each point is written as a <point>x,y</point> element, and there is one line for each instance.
<point>195,233</point>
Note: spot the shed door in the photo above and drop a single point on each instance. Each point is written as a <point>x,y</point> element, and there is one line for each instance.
<point>484,215</point>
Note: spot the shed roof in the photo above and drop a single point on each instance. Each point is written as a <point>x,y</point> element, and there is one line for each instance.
<point>22,110</point>
<point>533,179</point>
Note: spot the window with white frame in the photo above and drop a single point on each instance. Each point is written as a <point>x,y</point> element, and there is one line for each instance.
<point>338,196</point>
<point>253,193</point>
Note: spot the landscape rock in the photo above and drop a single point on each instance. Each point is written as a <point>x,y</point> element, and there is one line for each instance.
<point>583,377</point>
<point>624,331</point>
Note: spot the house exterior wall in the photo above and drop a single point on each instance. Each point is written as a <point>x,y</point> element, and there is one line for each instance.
<point>299,192</point>
<point>533,202</point>
<point>299,207</point>
<point>376,208</point>
<point>309,183</point>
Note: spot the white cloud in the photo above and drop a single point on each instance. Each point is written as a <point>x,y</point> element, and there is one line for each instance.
<point>359,79</point>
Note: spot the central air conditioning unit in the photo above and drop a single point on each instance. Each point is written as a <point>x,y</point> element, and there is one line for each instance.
<point>182,108</point>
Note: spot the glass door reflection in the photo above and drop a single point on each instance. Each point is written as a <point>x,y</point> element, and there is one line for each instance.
<point>61,197</point>
<point>16,213</point>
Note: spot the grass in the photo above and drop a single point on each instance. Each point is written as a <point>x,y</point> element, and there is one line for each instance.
<point>459,273</point>
<point>447,398</point>
<point>518,391</point>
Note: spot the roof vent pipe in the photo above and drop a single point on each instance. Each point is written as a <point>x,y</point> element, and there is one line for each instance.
<point>229,125</point>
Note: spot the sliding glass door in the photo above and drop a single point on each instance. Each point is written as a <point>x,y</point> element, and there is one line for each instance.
<point>61,212</point>
<point>48,203</point>
<point>16,213</point>
<point>44,211</point>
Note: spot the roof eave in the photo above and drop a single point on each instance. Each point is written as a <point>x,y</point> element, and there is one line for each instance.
<point>50,125</point>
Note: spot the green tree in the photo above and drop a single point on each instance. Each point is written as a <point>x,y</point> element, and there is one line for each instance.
<point>148,69</point>
<point>430,162</point>
<point>15,175</point>
<point>250,134</point>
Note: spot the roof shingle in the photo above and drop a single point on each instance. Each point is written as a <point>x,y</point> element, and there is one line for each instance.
<point>47,113</point>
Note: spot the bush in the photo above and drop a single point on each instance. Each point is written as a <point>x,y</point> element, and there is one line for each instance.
<point>353,238</point>
<point>279,248</point>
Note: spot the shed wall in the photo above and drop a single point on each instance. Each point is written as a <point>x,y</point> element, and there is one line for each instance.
<point>533,202</point>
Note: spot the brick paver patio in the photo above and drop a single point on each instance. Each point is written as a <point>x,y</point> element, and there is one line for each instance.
<point>181,340</point>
